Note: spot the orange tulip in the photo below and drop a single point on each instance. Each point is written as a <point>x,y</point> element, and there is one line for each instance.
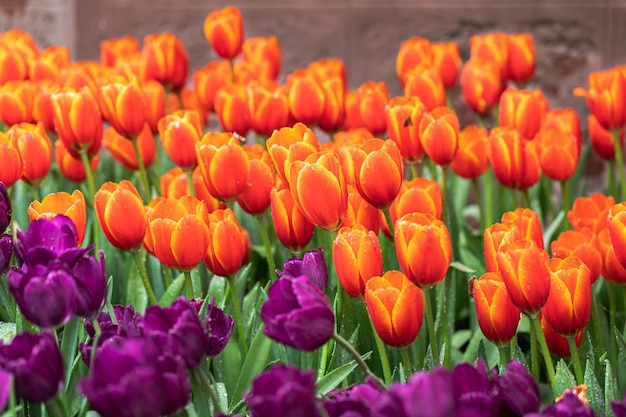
<point>494,47</point>
<point>247,71</point>
<point>16,102</point>
<point>231,107</point>
<point>224,165</point>
<point>223,29</point>
<point>590,212</point>
<point>35,150</point>
<point>471,159</point>
<point>123,105</point>
<point>373,99</point>
<point>557,343</point>
<point>42,103</point>
<point>229,245</point>
<point>412,53</point>
<point>514,160</point>
<point>558,154</point>
<point>121,214</point>
<point>602,140</point>
<point>166,60</point>
<point>419,237</point>
<point>77,77</point>
<point>12,165</point>
<point>70,167</point>
<point>580,244</point>
<point>70,205</point>
<point>498,317</point>
<point>305,96</point>
<point>292,228</point>
<point>439,134</point>
<point>568,307</point>
<point>175,183</point>
<point>49,63</point>
<point>616,223</point>
<point>419,195</point>
<point>172,225</point>
<point>255,198</point>
<point>566,120</point>
<point>264,49</point>
<point>13,66</point>
<point>326,68</point>
<point>521,109</point>
<point>426,84</point>
<point>352,110</point>
<point>527,222</point>
<point>605,97</point>
<point>495,237</point>
<point>334,103</point>
<point>521,58</point>
<point>155,103</point>
<point>209,79</point>
<point>319,189</point>
<point>360,212</point>
<point>612,268</point>
<point>77,121</point>
<point>122,149</point>
<point>118,49</point>
<point>447,60</point>
<point>396,308</point>
<point>403,121</point>
<point>481,85</point>
<point>180,132</point>
<point>378,171</point>
<point>290,144</point>
<point>268,106</point>
<point>525,274</point>
<point>357,258</point>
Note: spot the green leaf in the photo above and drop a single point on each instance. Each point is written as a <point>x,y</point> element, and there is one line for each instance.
<point>471,352</point>
<point>621,363</point>
<point>136,294</point>
<point>68,345</point>
<point>222,396</point>
<point>553,228</point>
<point>173,291</point>
<point>199,393</point>
<point>196,281</point>
<point>217,289</point>
<point>7,332</point>
<point>563,378</point>
<point>253,364</point>
<point>461,267</point>
<point>610,388</point>
<point>332,379</point>
<point>228,364</point>
<point>594,391</point>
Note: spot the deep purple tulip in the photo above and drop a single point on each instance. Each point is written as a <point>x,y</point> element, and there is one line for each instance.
<point>46,295</point>
<point>5,388</point>
<point>47,240</point>
<point>312,265</point>
<point>298,314</point>
<point>6,250</point>
<point>218,326</point>
<point>134,378</point>
<point>519,389</point>
<point>5,208</point>
<point>180,328</point>
<point>36,364</point>
<point>619,407</point>
<point>91,282</point>
<point>284,391</point>
<point>568,406</point>
<point>472,389</point>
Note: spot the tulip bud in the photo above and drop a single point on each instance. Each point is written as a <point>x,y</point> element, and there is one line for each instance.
<point>229,245</point>
<point>223,29</point>
<point>439,134</point>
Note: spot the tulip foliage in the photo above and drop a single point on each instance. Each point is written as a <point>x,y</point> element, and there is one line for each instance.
<point>223,243</point>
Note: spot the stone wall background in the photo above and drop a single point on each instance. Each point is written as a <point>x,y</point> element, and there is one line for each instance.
<point>572,37</point>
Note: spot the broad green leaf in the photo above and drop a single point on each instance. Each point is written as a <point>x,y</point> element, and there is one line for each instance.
<point>69,342</point>
<point>253,364</point>
<point>173,291</point>
<point>217,289</point>
<point>471,352</point>
<point>196,281</point>
<point>563,378</point>
<point>7,332</point>
<point>199,393</point>
<point>228,364</point>
<point>551,230</point>
<point>136,294</point>
<point>222,396</point>
<point>621,363</point>
<point>594,391</point>
<point>332,379</point>
<point>610,388</point>
<point>461,267</point>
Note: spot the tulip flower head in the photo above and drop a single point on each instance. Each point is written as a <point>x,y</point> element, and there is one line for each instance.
<point>229,245</point>
<point>71,205</point>
<point>312,265</point>
<point>293,229</point>
<point>223,30</point>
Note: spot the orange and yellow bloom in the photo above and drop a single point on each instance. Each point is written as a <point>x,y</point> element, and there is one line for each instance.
<point>223,29</point>
<point>229,245</point>
<point>71,205</point>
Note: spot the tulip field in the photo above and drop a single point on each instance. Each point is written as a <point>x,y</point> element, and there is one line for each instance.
<point>219,243</point>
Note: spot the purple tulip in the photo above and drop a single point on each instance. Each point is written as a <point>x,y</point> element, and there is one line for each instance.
<point>218,327</point>
<point>133,377</point>
<point>619,407</point>
<point>568,406</point>
<point>519,390</point>
<point>6,250</point>
<point>36,364</point>
<point>5,208</point>
<point>180,328</point>
<point>298,314</point>
<point>284,391</point>
<point>312,265</point>
<point>471,387</point>
<point>357,401</point>
<point>91,283</point>
<point>5,388</point>
<point>47,240</point>
<point>46,295</point>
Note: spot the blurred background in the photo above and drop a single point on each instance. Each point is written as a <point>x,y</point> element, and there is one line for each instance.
<point>572,37</point>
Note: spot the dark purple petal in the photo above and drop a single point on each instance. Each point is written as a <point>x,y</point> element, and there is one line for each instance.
<point>520,391</point>
<point>6,250</point>
<point>219,327</point>
<point>57,235</point>
<point>312,265</point>
<point>619,407</point>
<point>91,283</point>
<point>5,388</point>
<point>5,208</point>
<point>568,406</point>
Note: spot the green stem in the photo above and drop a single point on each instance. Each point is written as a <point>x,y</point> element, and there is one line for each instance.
<point>57,407</point>
<point>36,189</point>
<point>534,352</point>
<point>595,318</point>
<point>610,180</point>
<point>202,376</point>
<point>430,323</point>
<point>406,361</point>
<point>504,355</point>
<point>268,247</point>
<point>238,318</point>
<point>432,167</point>
<point>481,121</point>
<point>382,352</point>
<point>444,192</point>
<point>189,285</point>
<point>355,355</point>
<point>573,350</point>
<point>91,182</point>
<point>192,188</point>
<point>544,348</point>
<point>489,193</point>
<point>525,198</point>
<point>620,162</point>
<point>389,221</point>
<point>612,316</point>
<point>12,398</point>
<point>567,200</point>
<point>94,344</point>
<point>414,172</point>
<point>144,277</point>
<point>515,198</point>
<point>321,369</point>
<point>479,201</point>
<point>142,168</point>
